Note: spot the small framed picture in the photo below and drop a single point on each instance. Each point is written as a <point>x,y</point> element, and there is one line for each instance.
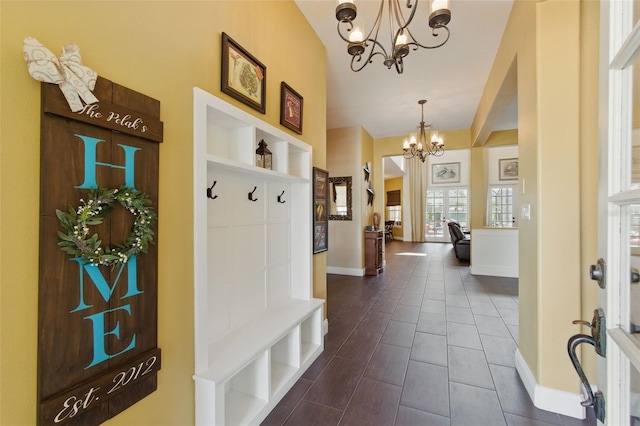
<point>320,234</point>
<point>445,173</point>
<point>320,214</point>
<point>508,169</point>
<point>243,77</point>
<point>290,108</point>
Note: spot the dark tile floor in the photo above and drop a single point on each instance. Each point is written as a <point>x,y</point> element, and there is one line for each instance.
<point>424,343</point>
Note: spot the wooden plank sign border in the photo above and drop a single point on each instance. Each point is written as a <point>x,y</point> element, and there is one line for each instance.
<point>97,326</point>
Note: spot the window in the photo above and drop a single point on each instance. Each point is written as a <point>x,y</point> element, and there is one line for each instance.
<point>394,213</point>
<point>394,207</point>
<point>458,206</point>
<point>501,206</point>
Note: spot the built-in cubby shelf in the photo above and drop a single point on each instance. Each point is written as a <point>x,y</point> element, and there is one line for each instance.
<point>257,325</point>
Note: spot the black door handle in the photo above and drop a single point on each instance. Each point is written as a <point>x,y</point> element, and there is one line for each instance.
<point>598,340</point>
<point>595,400</point>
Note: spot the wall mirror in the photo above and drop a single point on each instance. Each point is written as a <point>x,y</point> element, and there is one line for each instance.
<point>340,205</point>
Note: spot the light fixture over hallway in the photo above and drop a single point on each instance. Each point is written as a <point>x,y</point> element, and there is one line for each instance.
<point>399,33</point>
<point>418,146</point>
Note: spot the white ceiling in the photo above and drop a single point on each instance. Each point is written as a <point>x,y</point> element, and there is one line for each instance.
<point>451,77</point>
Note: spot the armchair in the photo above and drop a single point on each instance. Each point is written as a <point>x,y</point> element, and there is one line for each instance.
<point>461,241</point>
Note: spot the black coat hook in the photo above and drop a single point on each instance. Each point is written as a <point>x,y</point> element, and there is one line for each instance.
<point>210,191</point>
<point>280,200</point>
<point>251,194</point>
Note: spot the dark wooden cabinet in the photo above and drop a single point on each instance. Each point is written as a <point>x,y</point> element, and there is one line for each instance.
<point>373,252</point>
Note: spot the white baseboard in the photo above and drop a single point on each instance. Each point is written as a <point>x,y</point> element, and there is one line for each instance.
<point>356,272</point>
<point>325,327</point>
<point>554,400</point>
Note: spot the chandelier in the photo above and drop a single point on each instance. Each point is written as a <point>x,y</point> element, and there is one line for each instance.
<point>418,146</point>
<point>401,37</point>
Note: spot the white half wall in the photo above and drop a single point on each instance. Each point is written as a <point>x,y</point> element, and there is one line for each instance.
<point>494,252</point>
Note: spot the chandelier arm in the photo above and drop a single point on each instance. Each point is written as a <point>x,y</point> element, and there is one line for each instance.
<point>374,41</point>
<point>416,45</point>
<point>393,35</point>
<point>376,25</point>
<point>395,13</point>
<point>350,24</point>
<point>399,16</point>
<point>358,58</point>
<point>399,65</point>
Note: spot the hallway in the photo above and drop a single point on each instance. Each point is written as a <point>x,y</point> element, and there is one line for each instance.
<point>424,343</point>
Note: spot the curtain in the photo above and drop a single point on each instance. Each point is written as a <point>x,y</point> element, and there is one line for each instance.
<point>417,198</point>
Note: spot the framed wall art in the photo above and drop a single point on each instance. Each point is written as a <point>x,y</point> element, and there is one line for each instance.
<point>290,108</point>
<point>508,169</point>
<point>445,173</point>
<point>320,212</point>
<point>243,77</point>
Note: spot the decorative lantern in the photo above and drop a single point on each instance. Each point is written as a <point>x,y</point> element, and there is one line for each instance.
<point>263,155</point>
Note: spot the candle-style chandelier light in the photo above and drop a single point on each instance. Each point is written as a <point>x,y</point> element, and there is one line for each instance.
<point>401,37</point>
<point>419,145</point>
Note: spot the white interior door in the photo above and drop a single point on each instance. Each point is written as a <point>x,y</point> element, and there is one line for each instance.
<point>620,299</point>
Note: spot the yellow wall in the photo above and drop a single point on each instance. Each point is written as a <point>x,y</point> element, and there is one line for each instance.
<point>589,160</point>
<point>162,49</point>
<point>346,236</point>
<point>366,156</point>
<point>502,138</point>
<point>554,46</point>
<point>559,139</point>
<point>478,184</point>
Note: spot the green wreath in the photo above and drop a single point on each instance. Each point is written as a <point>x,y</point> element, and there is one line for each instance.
<point>76,223</point>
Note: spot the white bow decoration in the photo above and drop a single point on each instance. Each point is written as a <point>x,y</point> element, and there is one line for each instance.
<point>74,79</point>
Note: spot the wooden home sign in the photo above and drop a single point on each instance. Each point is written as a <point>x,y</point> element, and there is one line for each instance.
<point>97,325</point>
